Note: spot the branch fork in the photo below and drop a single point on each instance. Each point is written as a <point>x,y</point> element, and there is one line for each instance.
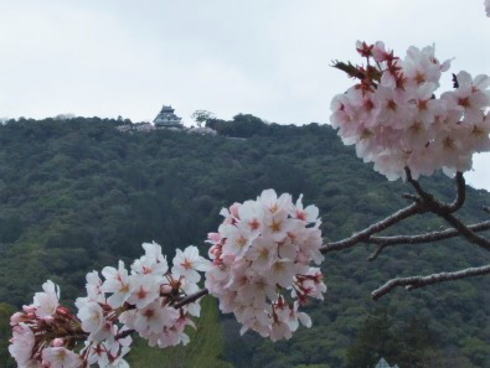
<point>422,202</point>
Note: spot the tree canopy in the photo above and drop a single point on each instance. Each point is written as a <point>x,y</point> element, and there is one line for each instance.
<point>81,194</point>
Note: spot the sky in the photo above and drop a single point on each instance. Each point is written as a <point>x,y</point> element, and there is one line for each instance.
<point>270,58</point>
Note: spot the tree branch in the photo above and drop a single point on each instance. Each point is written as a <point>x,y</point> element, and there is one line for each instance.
<point>413,209</point>
<point>461,193</point>
<point>423,202</point>
<point>416,185</point>
<point>415,282</point>
<point>465,231</point>
<point>387,241</point>
<point>445,210</point>
<point>430,200</point>
<point>125,333</point>
<point>191,298</point>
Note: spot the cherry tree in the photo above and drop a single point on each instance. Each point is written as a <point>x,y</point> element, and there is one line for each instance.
<point>264,258</point>
<point>395,119</point>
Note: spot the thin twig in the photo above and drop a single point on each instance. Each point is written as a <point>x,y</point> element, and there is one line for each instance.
<point>362,235</point>
<point>191,298</point>
<point>432,201</point>
<point>418,188</point>
<point>469,234</point>
<point>387,241</point>
<point>416,282</point>
<point>427,237</point>
<point>422,202</point>
<point>411,197</point>
<point>125,333</point>
<point>445,211</point>
<point>461,193</point>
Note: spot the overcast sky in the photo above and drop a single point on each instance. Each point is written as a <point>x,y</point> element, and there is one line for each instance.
<point>266,57</point>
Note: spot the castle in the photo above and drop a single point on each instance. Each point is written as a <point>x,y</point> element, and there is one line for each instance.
<point>166,118</point>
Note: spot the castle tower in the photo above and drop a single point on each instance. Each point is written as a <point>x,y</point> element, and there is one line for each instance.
<point>167,118</point>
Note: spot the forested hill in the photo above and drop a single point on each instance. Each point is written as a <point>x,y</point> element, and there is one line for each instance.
<point>77,194</point>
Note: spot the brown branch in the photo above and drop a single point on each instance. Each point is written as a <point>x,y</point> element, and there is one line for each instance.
<point>387,241</point>
<point>445,210</point>
<point>413,209</point>
<point>418,188</point>
<point>465,231</point>
<point>415,282</point>
<point>422,202</point>
<point>411,197</point>
<point>427,237</point>
<point>191,298</point>
<point>122,335</point>
<point>461,193</point>
<point>430,200</point>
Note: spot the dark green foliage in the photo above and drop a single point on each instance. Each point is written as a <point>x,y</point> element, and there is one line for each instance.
<point>409,344</point>
<point>77,195</point>
<point>376,340</point>
<point>6,311</point>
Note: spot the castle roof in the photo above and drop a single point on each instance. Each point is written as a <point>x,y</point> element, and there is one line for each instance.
<point>167,118</point>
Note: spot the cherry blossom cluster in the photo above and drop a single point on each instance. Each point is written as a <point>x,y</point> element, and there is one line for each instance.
<point>395,119</point>
<point>141,300</point>
<point>42,330</point>
<point>261,263</point>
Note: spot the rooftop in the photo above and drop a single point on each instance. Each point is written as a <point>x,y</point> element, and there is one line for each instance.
<point>167,118</point>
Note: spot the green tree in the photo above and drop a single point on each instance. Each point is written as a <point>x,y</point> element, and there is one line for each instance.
<point>202,116</point>
<point>376,339</point>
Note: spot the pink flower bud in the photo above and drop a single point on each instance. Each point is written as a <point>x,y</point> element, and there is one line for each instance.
<point>48,319</point>
<point>58,342</point>
<point>63,311</point>
<point>234,209</point>
<point>29,308</point>
<point>165,289</point>
<point>16,318</point>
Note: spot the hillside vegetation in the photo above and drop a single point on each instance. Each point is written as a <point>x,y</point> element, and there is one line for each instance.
<point>76,195</point>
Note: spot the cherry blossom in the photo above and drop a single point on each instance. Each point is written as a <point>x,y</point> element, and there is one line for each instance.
<point>47,301</point>
<point>94,287</point>
<point>153,262</point>
<point>59,357</point>
<point>144,290</point>
<point>187,263</point>
<point>395,119</point>
<point>261,263</point>
<point>117,283</point>
<point>140,300</point>
<point>22,344</point>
